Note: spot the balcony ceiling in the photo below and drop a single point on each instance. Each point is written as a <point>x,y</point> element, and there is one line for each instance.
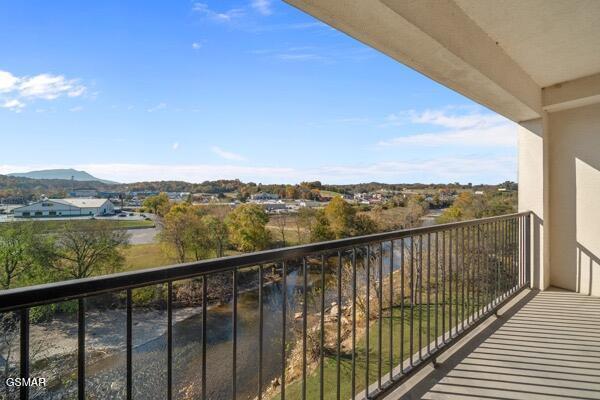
<point>553,41</point>
<point>500,53</point>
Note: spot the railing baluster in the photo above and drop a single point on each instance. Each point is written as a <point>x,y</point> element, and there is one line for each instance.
<point>380,316</point>
<point>368,321</point>
<point>523,249</point>
<point>437,288</point>
<point>129,344</point>
<point>353,388</point>
<point>402,274</point>
<point>169,340</point>
<point>450,277</point>
<point>443,287</point>
<point>204,321</point>
<point>478,277</point>
<point>428,293</point>
<point>528,249</point>
<point>486,266</point>
<point>339,326</point>
<point>283,327</point>
<point>260,330</point>
<point>520,247</point>
<point>24,352</point>
<point>81,348</point>
<point>470,275</point>
<point>420,291</point>
<point>391,293</point>
<point>234,337</point>
<point>413,297</point>
<point>471,271</point>
<point>505,259</point>
<point>517,253</point>
<point>457,273</point>
<point>322,331</point>
<point>464,267</point>
<point>304,323</point>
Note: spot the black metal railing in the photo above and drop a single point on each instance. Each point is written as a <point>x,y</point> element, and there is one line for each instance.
<point>350,318</point>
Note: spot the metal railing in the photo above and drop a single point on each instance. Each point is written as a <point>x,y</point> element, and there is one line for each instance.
<point>380,306</point>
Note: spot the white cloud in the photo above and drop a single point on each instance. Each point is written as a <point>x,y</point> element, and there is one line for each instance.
<point>50,87</point>
<point>264,7</point>
<point>157,107</point>
<point>196,45</point>
<point>472,129</point>
<point>175,146</point>
<point>18,91</point>
<point>76,109</point>
<point>300,57</point>
<point>480,169</point>
<point>226,154</point>
<point>8,81</point>
<point>444,169</point>
<point>224,16</point>
<point>13,105</point>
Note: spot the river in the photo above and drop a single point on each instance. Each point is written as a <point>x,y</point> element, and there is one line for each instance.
<point>106,377</point>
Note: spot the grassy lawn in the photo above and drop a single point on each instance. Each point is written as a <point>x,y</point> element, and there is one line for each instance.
<point>291,231</point>
<point>50,226</point>
<point>294,390</point>
<point>142,256</point>
<point>329,193</point>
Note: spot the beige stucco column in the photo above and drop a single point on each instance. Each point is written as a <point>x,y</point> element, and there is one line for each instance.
<point>574,167</point>
<point>533,176</point>
<point>559,181</point>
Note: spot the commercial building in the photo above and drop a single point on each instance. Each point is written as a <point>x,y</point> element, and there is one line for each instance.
<point>65,208</point>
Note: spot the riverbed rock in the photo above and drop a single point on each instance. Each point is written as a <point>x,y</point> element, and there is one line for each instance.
<point>334,310</point>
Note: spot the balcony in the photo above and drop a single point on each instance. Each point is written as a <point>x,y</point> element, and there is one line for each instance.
<point>324,320</point>
<point>544,345</point>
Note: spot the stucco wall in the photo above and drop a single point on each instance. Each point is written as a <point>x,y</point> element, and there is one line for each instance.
<point>574,157</point>
<point>531,194</point>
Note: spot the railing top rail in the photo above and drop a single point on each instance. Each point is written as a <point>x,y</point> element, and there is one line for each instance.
<point>72,289</point>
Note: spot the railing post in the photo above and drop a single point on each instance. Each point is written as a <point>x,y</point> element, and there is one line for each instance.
<point>24,352</point>
<point>528,253</point>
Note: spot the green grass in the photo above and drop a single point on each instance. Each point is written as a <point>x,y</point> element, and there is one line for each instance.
<point>329,193</point>
<point>149,255</point>
<point>294,389</point>
<point>143,256</point>
<point>50,226</point>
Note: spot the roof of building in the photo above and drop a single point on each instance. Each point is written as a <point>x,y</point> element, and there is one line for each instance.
<point>82,203</point>
<point>79,203</point>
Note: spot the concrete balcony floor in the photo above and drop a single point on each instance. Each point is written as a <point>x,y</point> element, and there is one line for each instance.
<point>544,345</point>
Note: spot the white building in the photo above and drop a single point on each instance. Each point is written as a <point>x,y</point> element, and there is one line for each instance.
<point>65,208</point>
<point>84,193</point>
<point>263,196</point>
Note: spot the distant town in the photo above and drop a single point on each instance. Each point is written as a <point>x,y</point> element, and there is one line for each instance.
<point>23,196</point>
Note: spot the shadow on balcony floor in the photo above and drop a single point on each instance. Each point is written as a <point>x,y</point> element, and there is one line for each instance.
<point>546,346</point>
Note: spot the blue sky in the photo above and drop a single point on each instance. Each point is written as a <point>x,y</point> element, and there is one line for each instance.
<point>249,89</point>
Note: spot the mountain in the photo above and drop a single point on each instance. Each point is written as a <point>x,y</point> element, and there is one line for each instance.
<point>64,174</point>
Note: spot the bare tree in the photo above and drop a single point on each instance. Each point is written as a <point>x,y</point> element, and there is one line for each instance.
<point>83,250</point>
<point>281,222</point>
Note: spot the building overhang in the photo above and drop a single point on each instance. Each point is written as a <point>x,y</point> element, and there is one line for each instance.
<point>499,54</point>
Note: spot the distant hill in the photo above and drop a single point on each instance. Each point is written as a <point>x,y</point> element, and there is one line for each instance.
<point>63,174</point>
